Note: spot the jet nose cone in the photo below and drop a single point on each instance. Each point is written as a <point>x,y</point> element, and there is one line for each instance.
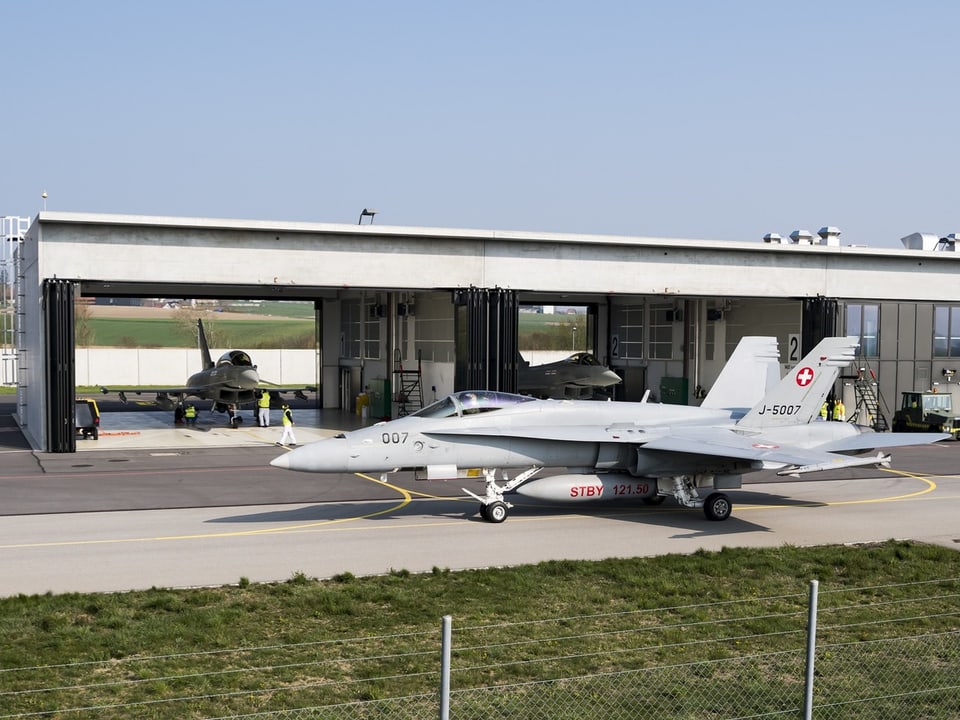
<point>302,460</point>
<point>249,379</point>
<point>332,455</point>
<point>610,378</point>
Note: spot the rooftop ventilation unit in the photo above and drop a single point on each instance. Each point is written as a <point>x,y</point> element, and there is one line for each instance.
<point>773,239</point>
<point>802,237</point>
<point>921,241</point>
<point>948,243</point>
<point>829,236</point>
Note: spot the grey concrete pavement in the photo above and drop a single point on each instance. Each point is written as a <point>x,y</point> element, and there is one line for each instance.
<point>170,513</point>
<point>212,546</point>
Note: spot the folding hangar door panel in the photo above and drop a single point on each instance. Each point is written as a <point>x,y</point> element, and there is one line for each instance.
<point>60,376</point>
<point>486,339</point>
<point>819,321</point>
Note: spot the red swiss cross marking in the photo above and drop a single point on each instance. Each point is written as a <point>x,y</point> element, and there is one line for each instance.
<point>804,376</point>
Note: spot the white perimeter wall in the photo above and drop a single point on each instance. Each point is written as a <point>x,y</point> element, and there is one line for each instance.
<point>172,366</point>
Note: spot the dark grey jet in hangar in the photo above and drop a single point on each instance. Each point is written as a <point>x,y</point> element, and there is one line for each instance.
<point>623,451</point>
<point>580,376</point>
<point>232,380</point>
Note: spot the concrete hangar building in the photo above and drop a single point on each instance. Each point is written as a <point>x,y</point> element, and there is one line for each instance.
<point>664,313</point>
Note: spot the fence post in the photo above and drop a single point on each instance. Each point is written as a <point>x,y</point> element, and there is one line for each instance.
<point>445,668</point>
<point>811,650</point>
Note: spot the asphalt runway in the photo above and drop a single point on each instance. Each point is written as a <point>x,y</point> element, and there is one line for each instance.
<point>164,514</point>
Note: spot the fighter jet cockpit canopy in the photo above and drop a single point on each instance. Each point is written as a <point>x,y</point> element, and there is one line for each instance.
<point>470,402</point>
<point>583,358</point>
<point>237,358</point>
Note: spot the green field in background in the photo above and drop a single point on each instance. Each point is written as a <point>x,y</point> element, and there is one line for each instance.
<point>295,328</point>
<point>222,333</point>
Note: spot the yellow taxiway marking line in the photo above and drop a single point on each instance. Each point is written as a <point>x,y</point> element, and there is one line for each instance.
<point>407,498</point>
<point>931,486</point>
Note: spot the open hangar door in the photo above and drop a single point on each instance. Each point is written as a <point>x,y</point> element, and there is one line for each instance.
<point>63,372</point>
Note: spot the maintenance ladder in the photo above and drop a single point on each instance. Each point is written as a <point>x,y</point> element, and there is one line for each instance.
<point>408,384</point>
<point>870,403</point>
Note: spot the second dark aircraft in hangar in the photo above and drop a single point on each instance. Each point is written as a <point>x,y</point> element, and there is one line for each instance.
<point>580,376</point>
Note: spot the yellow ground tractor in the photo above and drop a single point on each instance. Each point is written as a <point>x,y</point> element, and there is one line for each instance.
<point>929,411</point>
<point>87,418</point>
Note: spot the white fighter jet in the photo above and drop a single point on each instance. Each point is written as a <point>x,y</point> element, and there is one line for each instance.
<point>750,420</point>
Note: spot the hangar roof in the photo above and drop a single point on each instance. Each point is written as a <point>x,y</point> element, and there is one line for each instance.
<point>305,259</point>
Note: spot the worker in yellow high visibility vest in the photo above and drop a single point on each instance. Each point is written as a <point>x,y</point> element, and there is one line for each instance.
<point>839,411</point>
<point>287,427</point>
<point>263,409</point>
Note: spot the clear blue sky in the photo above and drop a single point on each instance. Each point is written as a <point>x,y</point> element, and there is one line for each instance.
<point>686,119</point>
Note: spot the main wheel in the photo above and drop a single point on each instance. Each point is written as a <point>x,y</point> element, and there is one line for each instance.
<point>497,512</point>
<point>717,507</point>
<point>483,512</point>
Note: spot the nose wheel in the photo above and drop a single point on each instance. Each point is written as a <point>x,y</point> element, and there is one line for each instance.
<point>493,508</point>
<point>495,512</point>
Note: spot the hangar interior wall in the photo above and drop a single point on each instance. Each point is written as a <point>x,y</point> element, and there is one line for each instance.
<point>654,338</point>
<point>421,337</point>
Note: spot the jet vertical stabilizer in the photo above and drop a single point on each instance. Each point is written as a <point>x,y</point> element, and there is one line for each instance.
<point>204,348</point>
<point>750,373</point>
<point>796,400</point>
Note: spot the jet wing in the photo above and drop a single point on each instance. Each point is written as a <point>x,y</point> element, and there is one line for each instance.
<point>872,440</point>
<point>279,388</point>
<point>718,442</point>
<point>723,443</point>
<point>155,391</point>
<point>297,391</point>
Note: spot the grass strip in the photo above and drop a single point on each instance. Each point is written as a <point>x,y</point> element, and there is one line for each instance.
<point>248,648</point>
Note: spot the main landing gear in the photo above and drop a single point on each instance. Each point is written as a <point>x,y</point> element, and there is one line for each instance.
<point>716,506</point>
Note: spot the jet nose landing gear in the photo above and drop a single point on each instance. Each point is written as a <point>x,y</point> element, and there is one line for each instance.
<point>493,508</point>
<point>495,512</point>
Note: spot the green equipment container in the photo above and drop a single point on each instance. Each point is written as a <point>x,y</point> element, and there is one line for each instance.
<point>380,405</point>
<point>674,391</point>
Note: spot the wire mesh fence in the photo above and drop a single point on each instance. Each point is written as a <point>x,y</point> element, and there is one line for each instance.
<point>890,652</point>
